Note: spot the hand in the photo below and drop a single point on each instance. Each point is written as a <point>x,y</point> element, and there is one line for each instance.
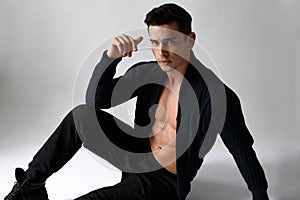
<point>122,46</point>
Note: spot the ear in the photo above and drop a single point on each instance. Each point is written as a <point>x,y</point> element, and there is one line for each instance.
<point>191,39</point>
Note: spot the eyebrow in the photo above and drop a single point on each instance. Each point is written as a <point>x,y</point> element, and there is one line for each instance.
<point>151,40</point>
<point>171,38</point>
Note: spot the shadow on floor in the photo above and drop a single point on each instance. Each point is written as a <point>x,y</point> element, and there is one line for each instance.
<point>283,175</point>
<point>205,190</point>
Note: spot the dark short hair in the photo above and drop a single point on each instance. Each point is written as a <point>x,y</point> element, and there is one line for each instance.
<point>168,13</point>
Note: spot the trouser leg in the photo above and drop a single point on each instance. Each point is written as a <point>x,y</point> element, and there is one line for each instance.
<point>156,185</point>
<point>85,125</point>
<point>98,132</point>
<point>56,151</point>
<point>114,140</point>
<point>128,189</point>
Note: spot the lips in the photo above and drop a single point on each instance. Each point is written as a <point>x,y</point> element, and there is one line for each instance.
<point>165,62</point>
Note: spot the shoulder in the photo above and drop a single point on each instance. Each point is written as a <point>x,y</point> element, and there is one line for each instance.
<point>146,70</point>
<point>144,66</point>
<point>209,86</point>
<point>143,63</point>
<point>204,81</point>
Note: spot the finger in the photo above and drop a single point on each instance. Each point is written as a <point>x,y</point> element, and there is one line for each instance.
<point>133,44</point>
<point>127,43</point>
<point>129,54</point>
<point>130,45</point>
<point>124,45</point>
<point>119,45</point>
<point>138,40</point>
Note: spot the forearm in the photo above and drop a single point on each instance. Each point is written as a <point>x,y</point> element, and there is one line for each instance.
<point>101,83</point>
<point>239,141</point>
<point>247,162</point>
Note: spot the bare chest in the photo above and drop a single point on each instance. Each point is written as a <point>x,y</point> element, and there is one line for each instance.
<point>163,140</point>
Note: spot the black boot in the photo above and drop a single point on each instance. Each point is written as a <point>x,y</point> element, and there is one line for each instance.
<point>26,189</point>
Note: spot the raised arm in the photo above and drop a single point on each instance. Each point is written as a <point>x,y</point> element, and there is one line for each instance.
<point>102,82</point>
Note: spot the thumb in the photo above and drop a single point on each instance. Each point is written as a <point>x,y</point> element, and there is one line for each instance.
<point>138,40</point>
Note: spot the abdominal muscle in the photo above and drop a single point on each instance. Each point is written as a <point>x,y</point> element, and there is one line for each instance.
<point>163,138</point>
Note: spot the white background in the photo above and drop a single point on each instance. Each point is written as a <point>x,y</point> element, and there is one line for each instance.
<point>255,45</point>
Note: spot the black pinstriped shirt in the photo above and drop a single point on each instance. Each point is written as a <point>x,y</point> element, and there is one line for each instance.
<point>196,130</point>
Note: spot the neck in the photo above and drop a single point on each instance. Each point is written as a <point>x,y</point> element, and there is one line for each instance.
<point>175,77</point>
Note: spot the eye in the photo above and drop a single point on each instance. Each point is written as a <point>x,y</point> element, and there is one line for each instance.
<point>154,43</point>
<point>170,42</point>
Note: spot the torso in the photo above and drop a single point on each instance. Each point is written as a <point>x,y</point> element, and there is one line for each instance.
<point>163,141</point>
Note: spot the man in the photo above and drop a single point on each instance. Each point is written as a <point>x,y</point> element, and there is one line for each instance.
<point>177,135</point>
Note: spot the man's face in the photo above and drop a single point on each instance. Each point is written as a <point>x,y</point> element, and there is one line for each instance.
<point>170,47</point>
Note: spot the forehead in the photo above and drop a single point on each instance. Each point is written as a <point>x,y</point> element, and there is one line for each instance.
<point>165,31</point>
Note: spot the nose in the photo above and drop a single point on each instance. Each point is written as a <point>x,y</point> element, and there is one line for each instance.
<point>162,49</point>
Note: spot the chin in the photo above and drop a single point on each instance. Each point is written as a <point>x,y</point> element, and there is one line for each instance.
<point>166,68</point>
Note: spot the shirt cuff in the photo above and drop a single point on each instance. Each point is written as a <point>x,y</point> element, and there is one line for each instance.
<point>260,196</point>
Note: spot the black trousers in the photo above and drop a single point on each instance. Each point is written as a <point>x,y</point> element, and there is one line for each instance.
<point>81,126</point>
<point>156,185</point>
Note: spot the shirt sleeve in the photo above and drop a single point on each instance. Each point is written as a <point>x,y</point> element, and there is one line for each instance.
<point>102,82</point>
<point>239,141</point>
